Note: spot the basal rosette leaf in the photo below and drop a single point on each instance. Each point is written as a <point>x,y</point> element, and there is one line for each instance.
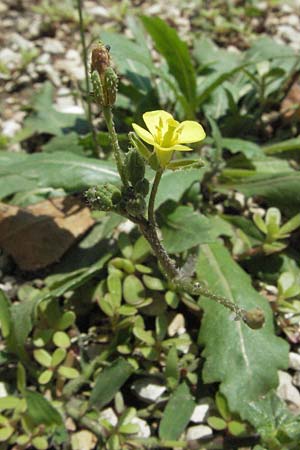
<point>244,361</point>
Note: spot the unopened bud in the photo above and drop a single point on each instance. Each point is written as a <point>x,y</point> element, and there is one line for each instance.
<point>136,206</point>
<point>134,166</point>
<point>103,197</point>
<point>110,86</point>
<point>142,187</point>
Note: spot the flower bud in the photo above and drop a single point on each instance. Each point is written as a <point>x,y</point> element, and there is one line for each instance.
<point>136,206</point>
<point>104,78</point>
<point>100,59</point>
<point>134,166</point>
<point>142,187</point>
<point>103,197</point>
<point>110,86</point>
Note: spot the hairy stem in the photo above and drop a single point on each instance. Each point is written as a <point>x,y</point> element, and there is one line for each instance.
<point>151,205</point>
<point>87,83</point>
<point>253,318</point>
<point>108,117</point>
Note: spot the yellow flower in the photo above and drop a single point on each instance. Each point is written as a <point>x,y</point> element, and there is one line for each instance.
<point>167,135</point>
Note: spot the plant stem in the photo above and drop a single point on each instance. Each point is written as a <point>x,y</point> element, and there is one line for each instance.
<point>87,83</point>
<point>253,318</point>
<point>108,117</point>
<point>90,424</point>
<point>156,443</point>
<point>75,385</point>
<point>151,205</point>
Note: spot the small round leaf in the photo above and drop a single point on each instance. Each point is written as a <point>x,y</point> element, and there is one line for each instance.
<point>68,372</point>
<point>61,339</point>
<point>42,357</point>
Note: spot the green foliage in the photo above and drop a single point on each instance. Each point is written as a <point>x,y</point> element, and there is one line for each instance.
<point>227,420</point>
<point>255,356</point>
<point>273,230</point>
<point>176,235</point>
<point>109,381</point>
<point>177,413</point>
<point>105,325</point>
<point>278,427</point>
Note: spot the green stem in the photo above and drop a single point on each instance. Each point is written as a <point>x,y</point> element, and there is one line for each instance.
<point>90,424</point>
<point>151,205</point>
<point>253,318</point>
<point>157,443</point>
<point>87,83</point>
<point>74,386</point>
<point>108,117</point>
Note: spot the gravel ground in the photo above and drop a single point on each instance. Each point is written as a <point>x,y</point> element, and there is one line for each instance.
<point>41,42</point>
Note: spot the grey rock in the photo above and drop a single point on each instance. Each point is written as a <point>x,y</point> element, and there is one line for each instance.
<point>198,432</point>
<point>294,361</point>
<point>286,390</point>
<point>10,58</point>
<point>53,46</point>
<point>148,389</point>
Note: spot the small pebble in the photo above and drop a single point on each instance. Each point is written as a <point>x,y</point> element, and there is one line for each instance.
<point>198,432</point>
<point>294,361</point>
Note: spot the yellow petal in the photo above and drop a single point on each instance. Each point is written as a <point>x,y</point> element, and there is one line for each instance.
<point>182,148</point>
<point>143,134</point>
<point>178,147</point>
<point>190,131</point>
<point>152,119</point>
<point>163,157</point>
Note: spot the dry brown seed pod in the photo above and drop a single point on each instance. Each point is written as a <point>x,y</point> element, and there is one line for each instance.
<point>100,59</point>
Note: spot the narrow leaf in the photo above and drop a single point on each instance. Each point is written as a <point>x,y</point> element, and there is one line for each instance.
<point>40,410</point>
<point>176,53</point>
<point>177,413</point>
<point>109,381</point>
<point>280,189</point>
<point>5,318</point>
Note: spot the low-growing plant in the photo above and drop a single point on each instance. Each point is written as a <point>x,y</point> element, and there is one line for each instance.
<point>120,340</point>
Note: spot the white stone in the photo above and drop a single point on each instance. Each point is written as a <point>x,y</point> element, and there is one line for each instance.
<point>145,431</point>
<point>69,109</point>
<point>98,11</point>
<point>44,58</point>
<point>286,8</point>
<point>294,361</point>
<point>148,390</point>
<point>177,326</point>
<point>53,46</point>
<point>73,54</point>
<point>109,415</point>
<point>200,413</point>
<point>83,440</point>
<point>288,33</point>
<point>198,432</point>
<point>296,379</point>
<point>21,42</point>
<point>10,127</point>
<point>3,390</point>
<point>126,227</point>
<point>291,20</point>
<point>10,58</point>
<point>51,72</point>
<point>286,390</point>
